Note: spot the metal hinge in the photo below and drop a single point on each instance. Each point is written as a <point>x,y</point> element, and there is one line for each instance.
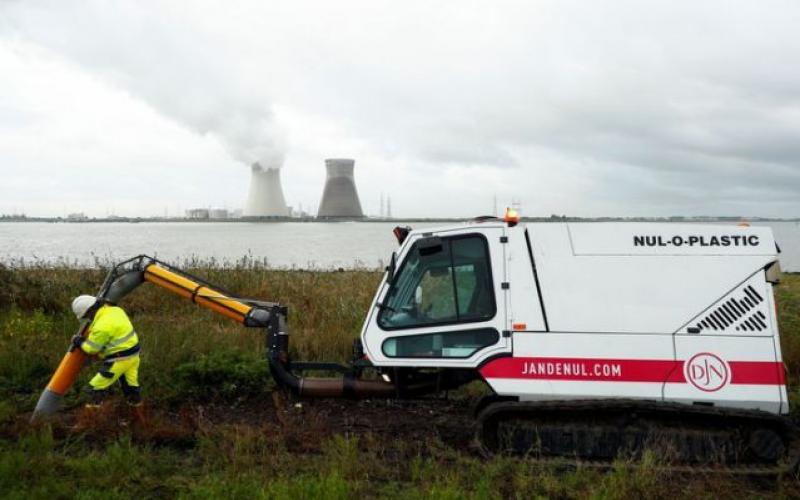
<point>504,239</point>
<point>506,333</point>
<point>505,285</point>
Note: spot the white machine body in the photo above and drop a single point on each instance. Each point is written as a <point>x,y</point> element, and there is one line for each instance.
<point>666,312</point>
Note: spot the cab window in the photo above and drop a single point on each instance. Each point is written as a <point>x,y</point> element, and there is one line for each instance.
<point>442,281</point>
<point>462,344</point>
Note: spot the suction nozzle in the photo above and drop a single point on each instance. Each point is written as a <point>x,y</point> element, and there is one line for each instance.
<point>48,404</point>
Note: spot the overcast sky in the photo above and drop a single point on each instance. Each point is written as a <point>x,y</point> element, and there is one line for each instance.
<point>584,108</point>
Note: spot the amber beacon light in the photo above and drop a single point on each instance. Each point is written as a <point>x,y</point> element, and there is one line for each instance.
<point>511,217</point>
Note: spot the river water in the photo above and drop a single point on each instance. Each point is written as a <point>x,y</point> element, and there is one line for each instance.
<point>305,245</point>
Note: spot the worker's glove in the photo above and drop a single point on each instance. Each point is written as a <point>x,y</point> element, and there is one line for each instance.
<point>77,342</point>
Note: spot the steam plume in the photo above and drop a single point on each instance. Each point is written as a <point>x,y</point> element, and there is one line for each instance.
<point>189,75</point>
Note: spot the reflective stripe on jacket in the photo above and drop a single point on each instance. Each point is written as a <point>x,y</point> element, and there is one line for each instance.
<point>111,332</point>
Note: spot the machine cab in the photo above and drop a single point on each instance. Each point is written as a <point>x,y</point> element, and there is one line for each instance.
<point>442,302</point>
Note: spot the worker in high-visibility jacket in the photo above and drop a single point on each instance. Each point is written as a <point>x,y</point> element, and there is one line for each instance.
<point>110,337</point>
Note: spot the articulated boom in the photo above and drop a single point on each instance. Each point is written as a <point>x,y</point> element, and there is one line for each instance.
<point>126,277</point>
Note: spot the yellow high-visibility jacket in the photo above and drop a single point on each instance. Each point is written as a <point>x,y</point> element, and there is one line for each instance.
<point>111,334</point>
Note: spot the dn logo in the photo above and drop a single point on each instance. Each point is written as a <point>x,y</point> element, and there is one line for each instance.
<point>706,371</point>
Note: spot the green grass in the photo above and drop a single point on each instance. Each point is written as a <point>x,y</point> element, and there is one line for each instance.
<point>195,356</point>
<point>787,295</point>
<point>231,464</point>
<point>179,341</point>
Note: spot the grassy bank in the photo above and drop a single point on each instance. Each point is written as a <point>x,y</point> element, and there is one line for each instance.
<point>222,432</point>
<point>181,343</point>
<point>242,463</point>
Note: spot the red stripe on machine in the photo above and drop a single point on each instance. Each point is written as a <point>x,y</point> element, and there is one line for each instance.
<point>757,373</point>
<point>623,370</point>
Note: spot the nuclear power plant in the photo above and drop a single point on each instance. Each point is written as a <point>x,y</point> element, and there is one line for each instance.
<point>265,198</point>
<point>340,197</point>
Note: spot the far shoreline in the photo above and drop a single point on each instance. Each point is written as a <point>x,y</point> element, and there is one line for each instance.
<point>259,220</point>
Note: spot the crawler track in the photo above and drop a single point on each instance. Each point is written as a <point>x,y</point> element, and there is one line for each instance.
<point>686,438</point>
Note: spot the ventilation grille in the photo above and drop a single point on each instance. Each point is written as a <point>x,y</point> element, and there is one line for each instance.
<point>741,313</point>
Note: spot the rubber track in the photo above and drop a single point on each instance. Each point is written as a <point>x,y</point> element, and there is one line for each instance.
<point>675,411</point>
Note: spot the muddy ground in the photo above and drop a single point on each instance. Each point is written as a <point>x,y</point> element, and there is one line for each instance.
<point>299,426</point>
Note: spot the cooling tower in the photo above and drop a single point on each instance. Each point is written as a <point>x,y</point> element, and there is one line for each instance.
<point>340,198</point>
<point>265,198</point>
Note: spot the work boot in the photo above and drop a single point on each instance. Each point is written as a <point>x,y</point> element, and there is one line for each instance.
<point>96,398</point>
<point>132,395</point>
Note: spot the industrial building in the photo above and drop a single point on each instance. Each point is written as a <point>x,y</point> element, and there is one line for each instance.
<point>197,213</point>
<point>219,213</point>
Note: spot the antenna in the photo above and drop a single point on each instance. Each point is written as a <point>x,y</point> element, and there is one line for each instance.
<point>516,204</point>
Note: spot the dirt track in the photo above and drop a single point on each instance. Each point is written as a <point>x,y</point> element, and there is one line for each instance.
<point>302,426</point>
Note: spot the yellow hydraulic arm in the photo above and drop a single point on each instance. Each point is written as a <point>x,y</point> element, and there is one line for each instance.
<point>130,274</point>
<point>126,277</point>
<point>199,293</point>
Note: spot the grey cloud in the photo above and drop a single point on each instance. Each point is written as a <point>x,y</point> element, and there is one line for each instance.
<point>655,106</point>
<point>181,71</point>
